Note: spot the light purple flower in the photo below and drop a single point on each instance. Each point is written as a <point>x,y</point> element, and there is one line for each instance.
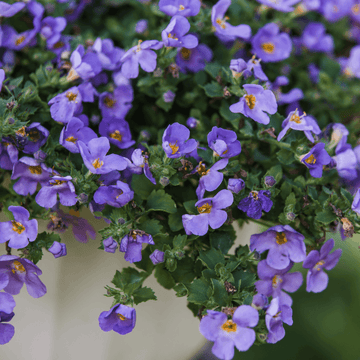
<point>355,11</point>
<point>9,10</point>
<point>51,29</point>
<point>284,245</point>
<point>7,304</point>
<point>95,158</point>
<point>180,7</point>
<point>351,66</point>
<point>346,162</point>
<point>117,131</point>
<point>259,301</point>
<point>118,103</point>
<point>236,185</point>
<point>237,66</point>
<point>169,96</point>
<point>140,163</point>
<point>58,249</point>
<point>224,142</point>
<point>271,46</point>
<point>315,159</point>
<point>193,60</point>
<point>114,195</point>
<point>19,231</point>
<point>131,245</point>
<point>256,203</point>
<point>110,245</point>
<point>32,137</point>
<point>255,103</point>
<point>210,214</point>
<point>355,206</point>
<point>334,10</point>
<point>13,40</point>
<point>254,66</point>
<point>157,257</point>
<point>8,154</point>
<point>314,73</point>
<point>108,54</point>
<point>316,279</point>
<point>192,123</point>
<point>280,5</point>
<point>120,318</point>
<point>229,333</point>
<point>141,26</point>
<point>60,46</point>
<point>315,39</point>
<point>2,77</point>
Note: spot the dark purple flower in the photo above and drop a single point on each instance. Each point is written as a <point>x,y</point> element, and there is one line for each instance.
<point>269,181</point>
<point>210,214</point>
<point>32,137</point>
<point>229,333</point>
<point>280,5</point>
<point>108,54</point>
<point>118,103</point>
<point>74,131</point>
<point>271,46</point>
<point>169,96</point>
<point>316,279</point>
<point>222,28</point>
<point>193,60</point>
<point>19,231</point>
<point>259,301</point>
<point>7,304</point>
<point>47,195</point>
<point>256,203</point>
<point>16,41</point>
<point>131,245</point>
<point>355,206</point>
<point>224,142</point>
<point>192,123</point>
<point>117,131</point>
<point>210,179</point>
<point>315,159</point>
<point>236,185</point>
<point>110,245</point>
<point>9,10</point>
<point>174,35</point>
<point>176,142</point>
<point>30,172</point>
<point>114,195</point>
<point>142,55</point>
<point>315,39</point>
<point>19,271</point>
<point>157,257</point>
<point>95,158</point>
<point>284,245</point>
<point>58,249</point>
<point>141,26</point>
<point>51,29</point>
<point>2,77</point>
<point>255,103</point>
<point>61,46</point>
<point>8,154</point>
<point>180,7</point>
<point>120,318</point>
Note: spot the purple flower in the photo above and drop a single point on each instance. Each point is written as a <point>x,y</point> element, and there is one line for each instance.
<point>117,131</point>
<point>142,55</point>
<point>2,77</point>
<point>210,179</point>
<point>51,29</point>
<point>47,195</point>
<point>7,304</point>
<point>19,231</point>
<point>31,172</point>
<point>259,301</point>
<point>315,159</point>
<point>139,164</point>
<point>9,10</point>
<point>276,314</point>
<point>339,137</point>
<point>351,66</point>
<point>210,214</point>
<point>303,123</point>
<point>74,131</point>
<point>157,257</point>
<point>284,245</point>
<point>224,142</point>
<point>174,35</point>
<point>280,5</point>
<point>120,318</point>
<point>95,159</point>
<point>192,123</point>
<point>17,271</point>
<point>269,181</point>
<point>85,66</point>
<point>32,137</point>
<point>8,154</point>
<point>60,46</point>
<point>315,39</point>
<point>108,54</point>
<point>355,11</point>
<point>141,26</point>
<point>255,103</point>
<point>176,142</point>
<point>355,206</point>
<point>169,96</point>
<point>269,45</point>
<point>131,244</point>
<point>193,60</point>
<point>118,103</point>
<point>237,66</point>
<point>334,10</point>
<point>236,185</point>
<point>180,7</point>
<point>16,41</point>
<point>110,245</point>
<point>229,333</point>
<point>314,73</point>
<point>253,66</point>
<point>346,163</point>
<point>316,279</point>
<point>114,195</point>
<point>222,28</point>
<point>255,203</point>
<point>58,249</point>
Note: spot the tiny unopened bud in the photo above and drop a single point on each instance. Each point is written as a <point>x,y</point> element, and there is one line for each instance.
<point>192,123</point>
<point>269,181</point>
<point>145,135</point>
<point>169,96</point>
<point>262,337</point>
<point>290,216</point>
<point>11,121</point>
<point>179,255</point>
<point>40,155</point>
<point>256,255</point>
<point>95,119</point>
<point>83,198</point>
<point>236,185</point>
<point>164,181</point>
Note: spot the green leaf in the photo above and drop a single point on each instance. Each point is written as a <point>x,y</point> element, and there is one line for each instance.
<point>285,156</point>
<point>326,216</point>
<point>129,279</point>
<point>190,207</point>
<point>214,89</point>
<point>243,279</point>
<point>230,117</point>
<point>236,90</point>
<point>276,172</point>
<point>211,258</point>
<point>16,82</point>
<point>206,155</point>
<point>163,277</point>
<point>312,192</point>
<point>222,240</point>
<point>198,292</point>
<point>159,200</point>
<point>175,221</point>
<point>142,186</point>
<point>180,241</point>
<point>347,196</point>
<point>184,273</point>
<point>213,69</point>
<point>144,294</point>
<point>291,199</point>
<point>220,294</point>
<point>151,226</point>
<point>164,105</point>
<point>247,129</point>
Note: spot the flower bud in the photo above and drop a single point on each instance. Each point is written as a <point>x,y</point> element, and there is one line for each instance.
<point>40,155</point>
<point>259,301</point>
<point>83,198</point>
<point>192,123</point>
<point>110,245</point>
<point>269,181</point>
<point>290,216</point>
<point>144,135</point>
<point>157,257</point>
<point>164,181</point>
<point>179,254</point>
<point>141,26</point>
<point>169,96</point>
<point>236,185</point>
<point>58,249</point>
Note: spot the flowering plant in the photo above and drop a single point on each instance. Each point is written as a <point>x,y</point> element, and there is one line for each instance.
<point>173,123</point>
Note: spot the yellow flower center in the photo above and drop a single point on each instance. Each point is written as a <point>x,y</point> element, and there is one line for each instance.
<point>277,314</point>
<point>21,132</point>
<point>35,169</point>
<point>174,148</point>
<point>71,139</point>
<point>229,326</point>
<point>109,102</point>
<point>71,96</point>
<point>276,280</point>
<point>181,7</point>
<point>18,227</point>
<point>19,40</point>
<point>205,209</point>
<point>57,182</point>
<point>58,45</point>
<point>250,101</point>
<point>172,36</point>
<point>116,135</point>
<point>356,9</point>
<point>121,317</point>
<point>120,193</point>
<point>185,53</point>
<point>18,267</point>
<point>34,135</point>
<point>97,163</point>
<point>138,48</point>
<point>318,264</point>
<point>311,160</point>
<point>348,72</point>
<point>281,238</point>
<point>222,22</point>
<point>255,195</point>
<point>202,169</point>
<point>295,118</point>
<point>268,47</point>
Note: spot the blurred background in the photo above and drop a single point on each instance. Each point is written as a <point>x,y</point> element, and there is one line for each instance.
<point>63,324</point>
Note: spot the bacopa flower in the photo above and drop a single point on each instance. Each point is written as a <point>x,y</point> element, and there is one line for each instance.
<point>58,249</point>
<point>259,301</point>
<point>176,142</point>
<point>255,103</point>
<point>224,142</point>
<point>236,185</point>
<point>8,154</point>
<point>19,231</point>
<point>229,333</point>
<point>157,257</point>
<point>315,39</point>
<point>32,137</point>
<point>284,245</point>
<point>346,162</point>
<point>131,245</point>
<point>95,158</point>
<point>7,305</point>
<point>9,10</point>
<point>117,131</point>
<point>333,10</point>
<point>315,159</point>
<point>141,26</point>
<point>140,164</point>
<point>256,203</point>
<point>180,7</point>
<point>355,206</point>
<point>114,195</point>
<point>18,271</point>
<point>108,54</point>
<point>110,245</point>
<point>2,77</point>
<point>316,279</point>
<point>120,318</point>
<point>351,66</point>
<point>210,214</point>
<point>169,96</point>
<point>193,60</point>
<point>254,66</point>
<point>269,45</point>
<point>192,123</point>
<point>280,5</point>
<point>51,29</point>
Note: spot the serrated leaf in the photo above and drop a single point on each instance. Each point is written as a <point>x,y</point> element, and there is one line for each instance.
<point>175,221</point>
<point>243,279</point>
<point>180,241</point>
<point>142,186</point>
<point>159,200</point>
<point>190,207</point>
<point>285,156</point>
<point>222,240</point>
<point>213,69</point>
<point>211,258</point>
<point>198,292</point>
<point>347,196</point>
<point>151,226</point>
<point>219,293</point>
<point>164,277</point>
<point>326,216</point>
<point>214,89</point>
<point>129,279</point>
<point>144,294</point>
<point>232,118</point>
<point>291,199</point>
